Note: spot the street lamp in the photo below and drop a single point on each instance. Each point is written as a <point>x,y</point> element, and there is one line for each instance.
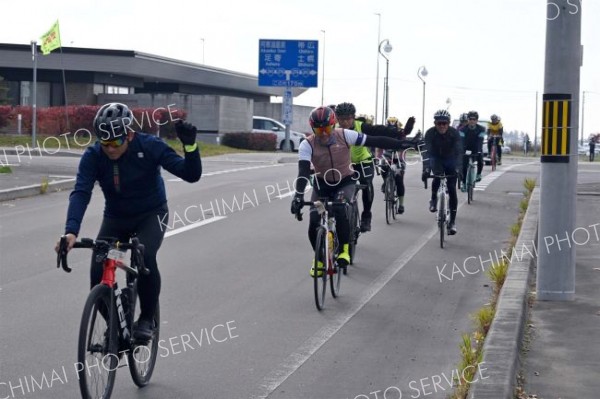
<point>386,95</point>
<point>323,72</point>
<point>421,73</point>
<point>377,76</point>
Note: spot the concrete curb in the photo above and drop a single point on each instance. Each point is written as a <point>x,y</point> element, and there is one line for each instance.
<point>503,341</point>
<point>35,189</point>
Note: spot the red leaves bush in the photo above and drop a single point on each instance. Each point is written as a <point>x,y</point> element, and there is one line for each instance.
<point>251,141</point>
<point>53,120</point>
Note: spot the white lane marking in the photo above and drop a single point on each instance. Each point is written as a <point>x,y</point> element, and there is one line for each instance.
<point>293,362</point>
<point>220,172</point>
<point>193,226</point>
<point>490,177</point>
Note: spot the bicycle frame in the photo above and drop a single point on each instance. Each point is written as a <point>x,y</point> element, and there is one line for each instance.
<point>470,177</point>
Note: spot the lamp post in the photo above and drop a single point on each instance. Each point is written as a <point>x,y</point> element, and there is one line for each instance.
<point>377,76</point>
<point>323,72</point>
<point>582,115</point>
<point>421,73</point>
<point>387,47</point>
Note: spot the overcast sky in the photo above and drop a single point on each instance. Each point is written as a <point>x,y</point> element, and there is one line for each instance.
<point>482,55</point>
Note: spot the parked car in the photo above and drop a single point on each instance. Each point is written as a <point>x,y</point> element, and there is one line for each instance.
<point>262,124</point>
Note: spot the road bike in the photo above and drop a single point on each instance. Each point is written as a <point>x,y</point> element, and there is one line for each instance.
<point>470,180</point>
<point>494,153</point>
<point>327,248</point>
<point>443,209</point>
<point>106,329</point>
<point>354,219</point>
<point>391,198</point>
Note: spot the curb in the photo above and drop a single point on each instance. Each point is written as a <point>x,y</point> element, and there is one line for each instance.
<point>35,189</point>
<point>503,342</point>
<point>38,152</point>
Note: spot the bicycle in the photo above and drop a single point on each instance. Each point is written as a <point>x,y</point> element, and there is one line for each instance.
<point>493,153</point>
<point>326,251</point>
<point>106,329</point>
<point>389,187</point>
<point>470,180</point>
<point>354,219</point>
<point>443,210</point>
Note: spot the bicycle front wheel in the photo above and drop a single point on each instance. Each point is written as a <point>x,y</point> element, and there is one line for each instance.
<point>493,159</point>
<point>320,268</point>
<point>470,185</point>
<point>142,357</point>
<point>354,232</point>
<point>389,198</point>
<point>442,218</point>
<point>98,345</point>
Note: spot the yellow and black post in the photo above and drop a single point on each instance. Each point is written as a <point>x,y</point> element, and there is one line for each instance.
<point>556,128</point>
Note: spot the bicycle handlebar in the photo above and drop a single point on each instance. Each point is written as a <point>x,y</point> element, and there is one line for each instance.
<point>103,246</point>
<point>444,176</point>
<point>328,204</point>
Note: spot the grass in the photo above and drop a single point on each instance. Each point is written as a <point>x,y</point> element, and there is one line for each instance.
<point>44,185</point>
<point>54,143</point>
<point>5,169</point>
<point>471,349</point>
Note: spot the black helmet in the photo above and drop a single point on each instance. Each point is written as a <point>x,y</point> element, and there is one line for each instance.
<point>473,114</point>
<point>321,117</point>
<point>345,109</point>
<point>112,121</point>
<point>464,117</point>
<point>441,115</point>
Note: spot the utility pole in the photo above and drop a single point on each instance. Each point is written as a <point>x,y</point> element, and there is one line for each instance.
<point>560,120</point>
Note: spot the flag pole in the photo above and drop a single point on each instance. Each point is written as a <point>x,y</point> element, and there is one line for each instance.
<point>34,98</point>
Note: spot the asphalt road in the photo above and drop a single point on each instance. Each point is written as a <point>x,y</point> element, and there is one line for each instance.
<point>237,309</point>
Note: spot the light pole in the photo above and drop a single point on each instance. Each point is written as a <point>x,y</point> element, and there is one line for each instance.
<point>582,115</point>
<point>387,48</point>
<point>421,73</point>
<point>323,72</point>
<point>202,50</point>
<point>377,76</point>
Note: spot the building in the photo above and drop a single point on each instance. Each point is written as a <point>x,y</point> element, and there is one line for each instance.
<point>216,100</point>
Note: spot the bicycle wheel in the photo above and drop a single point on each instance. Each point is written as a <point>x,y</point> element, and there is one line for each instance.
<point>335,277</point>
<point>320,282</point>
<point>493,158</point>
<point>470,184</point>
<point>394,198</point>
<point>142,357</point>
<point>389,197</point>
<point>354,232</point>
<point>442,218</point>
<point>98,345</point>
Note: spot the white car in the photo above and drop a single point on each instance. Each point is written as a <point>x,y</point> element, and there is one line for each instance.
<point>262,124</point>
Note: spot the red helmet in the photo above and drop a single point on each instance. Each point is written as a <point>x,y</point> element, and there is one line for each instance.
<point>321,117</point>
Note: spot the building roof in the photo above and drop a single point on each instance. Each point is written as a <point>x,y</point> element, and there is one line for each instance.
<point>141,67</point>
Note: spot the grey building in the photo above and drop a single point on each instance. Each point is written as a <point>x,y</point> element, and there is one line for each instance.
<point>216,100</point>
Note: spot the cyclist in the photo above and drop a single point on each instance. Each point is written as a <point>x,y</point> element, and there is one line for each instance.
<point>443,156</point>
<point>463,121</point>
<point>389,158</point>
<point>362,157</point>
<point>329,150</point>
<point>496,130</point>
<point>126,163</point>
<point>472,136</point>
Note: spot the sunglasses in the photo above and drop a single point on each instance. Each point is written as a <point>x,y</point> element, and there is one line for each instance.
<point>472,119</point>
<point>441,123</point>
<point>325,129</point>
<point>113,143</point>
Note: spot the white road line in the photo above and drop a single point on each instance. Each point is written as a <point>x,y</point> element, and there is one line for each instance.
<point>293,362</point>
<point>220,172</point>
<point>490,177</point>
<point>193,226</point>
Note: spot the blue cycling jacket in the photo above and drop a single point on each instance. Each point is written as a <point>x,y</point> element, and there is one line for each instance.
<point>132,185</point>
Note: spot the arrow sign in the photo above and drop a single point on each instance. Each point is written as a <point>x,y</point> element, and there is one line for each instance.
<point>288,63</point>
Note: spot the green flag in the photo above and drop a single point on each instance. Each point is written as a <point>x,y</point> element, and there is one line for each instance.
<point>51,40</point>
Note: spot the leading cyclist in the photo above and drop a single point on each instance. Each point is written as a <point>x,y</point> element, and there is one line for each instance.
<point>126,164</point>
<point>328,149</point>
<point>443,155</point>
